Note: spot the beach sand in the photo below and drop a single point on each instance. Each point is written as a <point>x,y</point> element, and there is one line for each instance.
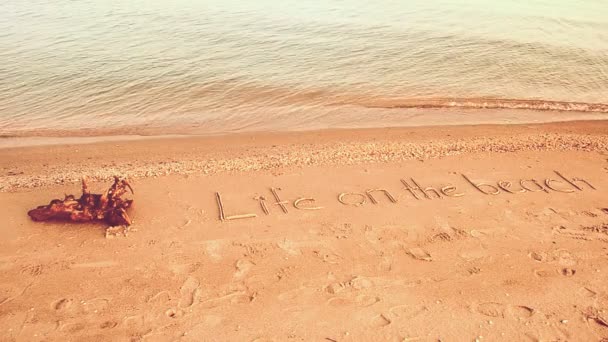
<point>347,254</point>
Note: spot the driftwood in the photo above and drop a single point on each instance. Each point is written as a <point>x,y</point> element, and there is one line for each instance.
<point>108,207</point>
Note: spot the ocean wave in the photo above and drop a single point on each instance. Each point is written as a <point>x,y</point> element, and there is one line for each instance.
<point>485,103</point>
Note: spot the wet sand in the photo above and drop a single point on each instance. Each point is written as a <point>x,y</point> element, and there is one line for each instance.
<point>417,234</point>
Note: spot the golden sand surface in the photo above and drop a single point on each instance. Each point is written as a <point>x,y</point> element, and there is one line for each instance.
<point>488,233</point>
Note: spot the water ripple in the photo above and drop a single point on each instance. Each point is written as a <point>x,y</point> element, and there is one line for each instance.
<point>225,66</point>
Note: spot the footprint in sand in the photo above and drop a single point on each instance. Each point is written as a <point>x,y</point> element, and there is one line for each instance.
<point>597,320</point>
<point>160,298</point>
<point>335,288</point>
<point>538,256</point>
<point>189,292</point>
<point>366,300</point>
<point>359,283</point>
<point>244,298</point>
<point>521,312</point>
<point>108,325</point>
<point>360,300</point>
<point>62,304</point>
<point>491,309</point>
<point>72,327</point>
<point>568,272</point>
<point>588,213</point>
<point>95,305</point>
<point>565,258</point>
<point>185,268</point>
<point>213,248</point>
<point>32,270</point>
<point>380,321</point>
<point>477,233</point>
<point>243,266</point>
<point>441,237</point>
<point>587,292</point>
<point>134,322</point>
<point>420,254</point>
<point>351,292</point>
<point>407,311</point>
<point>356,283</point>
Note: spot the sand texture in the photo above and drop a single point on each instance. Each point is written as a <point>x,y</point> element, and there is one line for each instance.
<point>508,241</point>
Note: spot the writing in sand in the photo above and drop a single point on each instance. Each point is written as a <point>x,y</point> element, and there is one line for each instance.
<point>558,183</point>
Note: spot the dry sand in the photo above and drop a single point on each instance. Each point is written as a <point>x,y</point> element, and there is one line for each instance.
<point>469,265</point>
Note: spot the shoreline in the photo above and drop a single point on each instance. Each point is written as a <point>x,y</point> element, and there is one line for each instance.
<point>393,115</point>
<point>46,165</point>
